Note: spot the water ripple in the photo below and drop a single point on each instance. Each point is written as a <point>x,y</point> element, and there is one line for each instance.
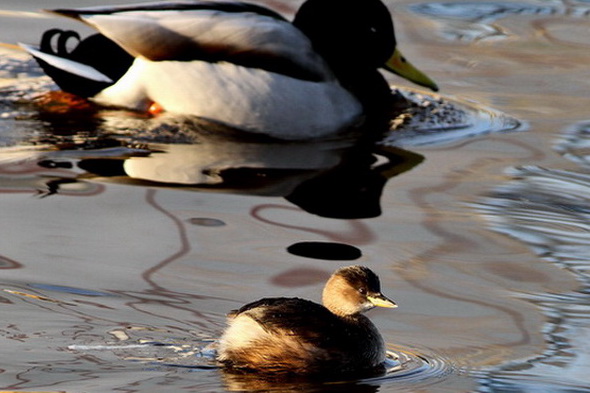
<point>475,21</point>
<point>413,367</point>
<point>433,119</point>
<point>547,209</point>
<point>481,11</point>
<point>575,144</point>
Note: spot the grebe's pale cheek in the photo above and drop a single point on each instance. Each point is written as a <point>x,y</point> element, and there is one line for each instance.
<point>366,306</point>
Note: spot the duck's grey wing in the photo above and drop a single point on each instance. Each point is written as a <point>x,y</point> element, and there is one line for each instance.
<point>243,34</point>
<point>229,6</point>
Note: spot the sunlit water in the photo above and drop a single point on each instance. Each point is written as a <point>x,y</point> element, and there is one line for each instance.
<point>125,240</point>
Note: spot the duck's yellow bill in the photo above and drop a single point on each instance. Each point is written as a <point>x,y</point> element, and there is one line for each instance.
<point>398,64</point>
<point>381,301</point>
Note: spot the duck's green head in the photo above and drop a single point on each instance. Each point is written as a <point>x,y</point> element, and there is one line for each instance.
<point>356,36</point>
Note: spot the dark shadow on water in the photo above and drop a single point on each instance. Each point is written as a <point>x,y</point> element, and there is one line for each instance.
<point>353,189</point>
<point>325,250</point>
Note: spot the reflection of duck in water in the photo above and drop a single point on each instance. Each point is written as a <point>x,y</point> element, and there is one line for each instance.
<point>334,178</point>
<point>296,336</point>
<point>353,188</point>
<point>235,63</point>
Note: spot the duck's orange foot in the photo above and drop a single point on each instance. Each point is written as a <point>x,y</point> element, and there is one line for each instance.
<point>63,102</point>
<point>155,109</point>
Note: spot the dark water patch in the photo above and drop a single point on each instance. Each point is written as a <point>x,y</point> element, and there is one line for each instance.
<point>206,222</point>
<point>325,250</point>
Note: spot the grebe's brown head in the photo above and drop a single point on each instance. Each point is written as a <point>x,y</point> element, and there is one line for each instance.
<point>352,290</point>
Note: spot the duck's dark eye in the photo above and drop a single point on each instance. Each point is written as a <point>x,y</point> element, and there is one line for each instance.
<point>362,291</point>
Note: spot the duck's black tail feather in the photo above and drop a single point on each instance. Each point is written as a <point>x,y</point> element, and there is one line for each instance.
<point>93,65</point>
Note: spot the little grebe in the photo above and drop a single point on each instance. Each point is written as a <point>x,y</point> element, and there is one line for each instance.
<point>297,336</point>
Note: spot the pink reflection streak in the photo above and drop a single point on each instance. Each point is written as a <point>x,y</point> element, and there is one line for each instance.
<point>7,263</point>
<point>183,238</point>
<point>170,298</point>
<point>358,233</point>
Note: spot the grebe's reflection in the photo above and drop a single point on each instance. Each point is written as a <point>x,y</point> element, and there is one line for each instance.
<point>252,382</point>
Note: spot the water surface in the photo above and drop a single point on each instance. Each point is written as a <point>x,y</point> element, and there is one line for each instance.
<point>117,275</point>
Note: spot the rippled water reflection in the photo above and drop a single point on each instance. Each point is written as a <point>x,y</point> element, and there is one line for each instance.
<point>475,21</point>
<point>549,210</point>
<point>117,274</point>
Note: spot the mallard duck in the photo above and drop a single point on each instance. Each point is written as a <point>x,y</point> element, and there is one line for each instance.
<point>297,336</point>
<point>236,63</point>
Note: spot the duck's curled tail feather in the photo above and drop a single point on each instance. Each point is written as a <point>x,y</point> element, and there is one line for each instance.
<point>94,64</point>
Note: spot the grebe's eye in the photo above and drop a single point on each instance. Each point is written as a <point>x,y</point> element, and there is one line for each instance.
<point>362,291</point>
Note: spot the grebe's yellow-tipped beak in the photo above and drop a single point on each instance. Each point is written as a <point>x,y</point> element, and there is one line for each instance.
<point>381,301</point>
<point>398,64</point>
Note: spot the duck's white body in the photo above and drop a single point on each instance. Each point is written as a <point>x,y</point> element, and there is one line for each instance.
<point>247,97</point>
